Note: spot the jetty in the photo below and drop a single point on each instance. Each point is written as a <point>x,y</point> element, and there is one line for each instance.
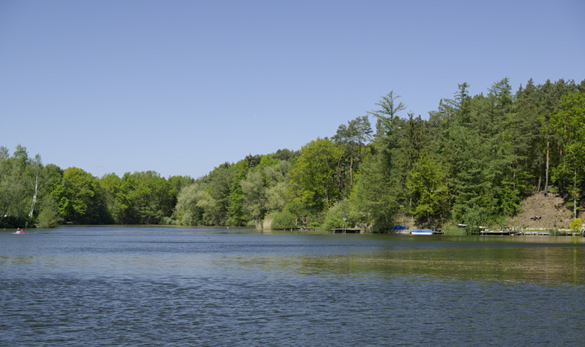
<point>497,232</point>
<point>346,230</point>
<point>562,232</point>
<point>535,233</point>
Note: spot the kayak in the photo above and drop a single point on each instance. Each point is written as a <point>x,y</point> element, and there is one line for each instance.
<point>19,232</point>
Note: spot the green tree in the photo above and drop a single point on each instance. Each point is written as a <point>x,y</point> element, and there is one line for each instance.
<point>300,212</point>
<point>19,180</point>
<point>452,140</point>
<point>428,189</point>
<point>314,175</point>
<point>179,182</point>
<point>254,191</point>
<point>549,102</point>
<point>150,196</point>
<point>344,214</point>
<point>283,220</point>
<point>380,187</point>
<point>576,224</point>
<point>265,187</point>
<point>117,198</point>
<point>216,195</point>
<point>189,211</point>
<point>49,215</point>
<point>236,208</point>
<point>80,199</point>
<point>375,194</point>
<point>478,151</point>
<point>277,179</point>
<point>568,124</point>
<point>524,128</point>
<point>501,151</point>
<point>353,138</point>
<point>388,127</point>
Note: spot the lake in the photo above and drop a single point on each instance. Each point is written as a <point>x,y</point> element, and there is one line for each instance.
<point>172,286</point>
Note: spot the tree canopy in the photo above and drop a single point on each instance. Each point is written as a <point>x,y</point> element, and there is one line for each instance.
<point>471,161</point>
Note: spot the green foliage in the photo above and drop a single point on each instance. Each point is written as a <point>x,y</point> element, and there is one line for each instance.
<point>236,205</point>
<point>189,210</point>
<point>19,179</point>
<point>301,212</point>
<point>49,215</point>
<point>283,220</point>
<point>474,217</point>
<point>315,175</point>
<point>568,125</point>
<point>240,194</point>
<point>471,162</point>
<point>353,138</point>
<point>576,224</point>
<point>253,189</point>
<point>428,190</point>
<point>150,197</point>
<point>344,213</point>
<point>375,194</point>
<point>80,199</point>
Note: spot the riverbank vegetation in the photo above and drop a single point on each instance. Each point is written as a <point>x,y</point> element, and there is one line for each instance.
<point>472,162</point>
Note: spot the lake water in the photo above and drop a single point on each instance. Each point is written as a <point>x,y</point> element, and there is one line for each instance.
<point>165,286</point>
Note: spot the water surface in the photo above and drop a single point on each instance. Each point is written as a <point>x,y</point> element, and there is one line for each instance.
<point>104,286</point>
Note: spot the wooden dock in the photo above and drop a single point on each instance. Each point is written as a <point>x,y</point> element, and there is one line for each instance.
<point>346,231</point>
<point>512,232</point>
<point>497,232</point>
<point>535,233</point>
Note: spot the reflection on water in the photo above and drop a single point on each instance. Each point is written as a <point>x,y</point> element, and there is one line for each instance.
<point>521,259</point>
<point>180,287</point>
<point>549,265</point>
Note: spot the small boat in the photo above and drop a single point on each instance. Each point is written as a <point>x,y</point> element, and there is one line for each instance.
<point>421,232</point>
<point>18,232</point>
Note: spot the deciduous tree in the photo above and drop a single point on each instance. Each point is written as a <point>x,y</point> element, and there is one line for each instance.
<point>314,174</point>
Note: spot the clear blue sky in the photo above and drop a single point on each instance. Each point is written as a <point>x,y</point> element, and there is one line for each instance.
<point>179,87</point>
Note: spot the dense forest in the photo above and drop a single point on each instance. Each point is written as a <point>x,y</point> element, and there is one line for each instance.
<point>472,161</point>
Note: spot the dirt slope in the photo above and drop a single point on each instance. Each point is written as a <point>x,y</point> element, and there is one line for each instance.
<point>550,209</point>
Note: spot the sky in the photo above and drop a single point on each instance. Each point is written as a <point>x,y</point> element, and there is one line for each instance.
<point>180,87</point>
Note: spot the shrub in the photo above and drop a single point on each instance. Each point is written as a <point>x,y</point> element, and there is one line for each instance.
<point>283,220</point>
<point>474,218</point>
<point>576,224</point>
<point>49,216</point>
<point>47,219</point>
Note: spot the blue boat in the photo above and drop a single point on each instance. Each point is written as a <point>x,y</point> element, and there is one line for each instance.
<point>421,232</point>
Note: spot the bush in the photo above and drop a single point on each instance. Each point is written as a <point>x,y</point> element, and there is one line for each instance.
<point>12,222</point>
<point>283,220</point>
<point>49,216</point>
<point>47,219</point>
<point>576,224</point>
<point>167,221</point>
<point>474,218</point>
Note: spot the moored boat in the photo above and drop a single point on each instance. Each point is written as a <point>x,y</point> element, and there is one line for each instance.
<point>421,232</point>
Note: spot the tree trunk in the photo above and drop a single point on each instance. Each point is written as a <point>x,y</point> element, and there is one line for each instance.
<point>539,180</point>
<point>351,173</point>
<point>339,178</point>
<point>546,168</point>
<point>574,190</point>
<point>32,208</point>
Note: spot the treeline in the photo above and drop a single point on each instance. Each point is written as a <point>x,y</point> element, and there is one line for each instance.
<point>45,196</point>
<point>472,162</point>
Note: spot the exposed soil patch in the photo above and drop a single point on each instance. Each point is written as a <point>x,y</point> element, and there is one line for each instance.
<point>543,212</point>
